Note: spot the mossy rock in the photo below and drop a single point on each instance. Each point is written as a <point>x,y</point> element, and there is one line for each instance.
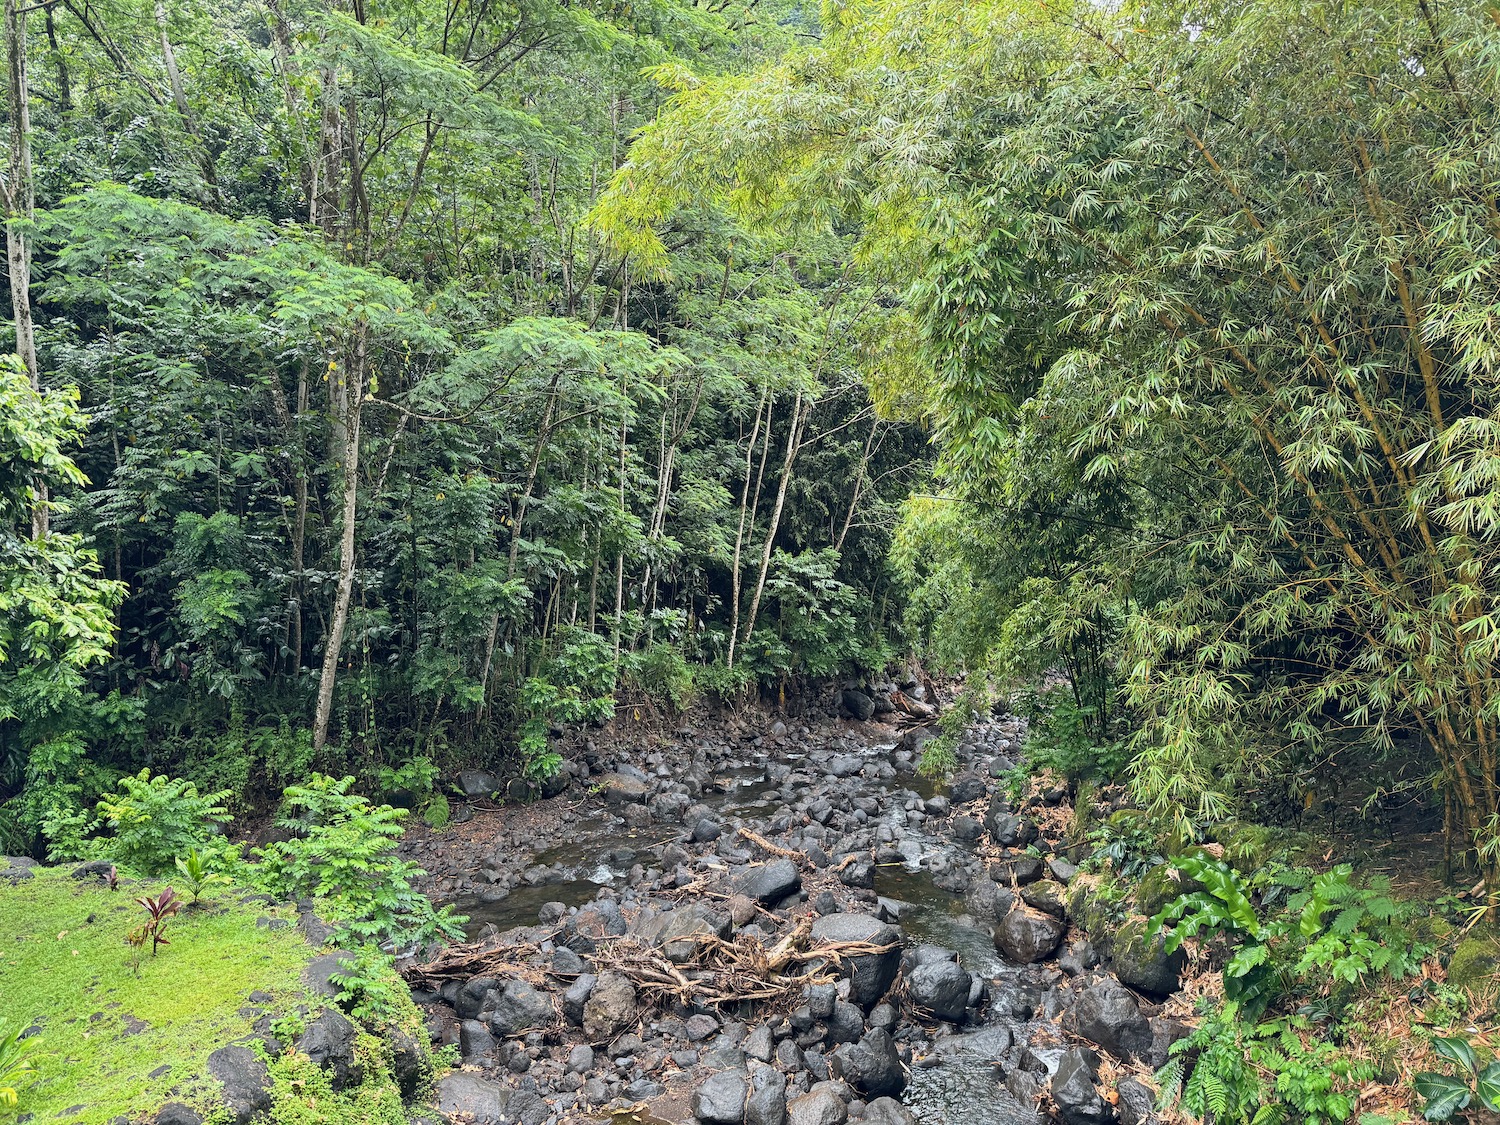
<point>1144,964</point>
<point>1475,962</point>
<point>1247,847</point>
<point>1159,886</point>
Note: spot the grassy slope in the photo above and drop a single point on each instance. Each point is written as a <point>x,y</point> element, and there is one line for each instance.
<point>64,964</point>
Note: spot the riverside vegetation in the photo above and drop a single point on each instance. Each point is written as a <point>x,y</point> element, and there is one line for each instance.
<point>1047,447</point>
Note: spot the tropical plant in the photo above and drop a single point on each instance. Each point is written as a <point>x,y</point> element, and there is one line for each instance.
<point>1477,1076</point>
<point>197,874</point>
<point>15,1045</point>
<point>158,909</point>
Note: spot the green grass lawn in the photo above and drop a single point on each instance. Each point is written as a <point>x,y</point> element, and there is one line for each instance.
<point>115,1042</point>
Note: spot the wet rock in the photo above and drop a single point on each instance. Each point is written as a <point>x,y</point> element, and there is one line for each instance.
<point>329,1042</point>
<point>767,1102</point>
<point>518,1008</point>
<point>1074,1094</point>
<point>621,789</point>
<point>987,901</point>
<point>845,765</point>
<point>409,1063</point>
<point>770,882</point>
<point>873,1065</point>
<point>870,974</point>
<point>1078,958</point>
<point>820,1106</point>
<point>246,1082</point>
<point>471,1099</point>
<point>610,1008</point>
<point>942,988</point>
<point>721,1099</point>
<point>1108,1014</point>
<point>1026,936</point>
<point>1145,965</point>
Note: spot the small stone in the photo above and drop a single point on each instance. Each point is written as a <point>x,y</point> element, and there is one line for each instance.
<point>721,1099</point>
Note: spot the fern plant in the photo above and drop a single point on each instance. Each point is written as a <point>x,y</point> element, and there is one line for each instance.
<point>153,820</point>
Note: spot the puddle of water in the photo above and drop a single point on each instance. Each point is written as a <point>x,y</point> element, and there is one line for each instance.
<point>520,907</point>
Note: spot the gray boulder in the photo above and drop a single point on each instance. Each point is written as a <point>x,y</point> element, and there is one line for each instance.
<point>175,1113</point>
<point>518,1008</point>
<point>16,869</point>
<point>888,1111</point>
<point>467,1098</point>
<point>610,1008</point>
<point>870,974</point>
<point>721,1099</point>
<point>819,1106</point>
<point>942,988</point>
<point>857,705</point>
<point>1143,964</point>
<point>1074,1094</point>
<point>1026,936</point>
<point>1108,1014</point>
<point>329,1042</point>
<point>873,1065</point>
<point>621,789</point>
<point>770,882</point>
<point>767,1102</point>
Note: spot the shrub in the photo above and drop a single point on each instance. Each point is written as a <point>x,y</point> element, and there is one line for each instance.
<point>344,854</point>
<point>14,1065</point>
<point>153,820</point>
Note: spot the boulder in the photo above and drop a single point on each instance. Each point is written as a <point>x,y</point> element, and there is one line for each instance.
<point>1137,1104</point>
<point>873,1065</point>
<point>478,783</point>
<point>870,974</point>
<point>475,1041</point>
<point>857,705</point>
<point>888,1111</point>
<point>1146,965</point>
<point>769,882</point>
<point>577,996</point>
<point>1026,936</point>
<point>1012,831</point>
<point>518,1007</point>
<point>1016,871</point>
<point>1074,1094</point>
<point>318,975</point>
<point>175,1113</point>
<point>467,1098</point>
<point>767,1102</point>
<point>967,830</point>
<point>610,1008</point>
<point>329,1042</point>
<point>16,869</point>
<point>621,789</point>
<point>967,786</point>
<point>1108,1014</point>
<point>820,1106</point>
<point>721,1099</point>
<point>942,988</point>
<point>1048,897</point>
<point>409,1062</point>
<point>246,1082</point>
<point>527,1107</point>
<point>679,936</point>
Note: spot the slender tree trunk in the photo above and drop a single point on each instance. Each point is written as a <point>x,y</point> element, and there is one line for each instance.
<point>64,86</point>
<point>739,534</point>
<point>179,97</point>
<point>859,481</point>
<point>349,402</point>
<point>20,207</point>
<point>793,443</point>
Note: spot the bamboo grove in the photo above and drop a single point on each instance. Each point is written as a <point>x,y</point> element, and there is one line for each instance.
<point>1203,314</point>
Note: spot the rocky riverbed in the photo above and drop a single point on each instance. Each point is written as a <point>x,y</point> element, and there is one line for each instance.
<point>762,921</point>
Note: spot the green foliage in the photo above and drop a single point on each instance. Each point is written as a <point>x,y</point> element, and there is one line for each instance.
<point>1265,1073</point>
<point>1064,737</point>
<point>154,820</point>
<point>662,672</point>
<point>1477,1075</point>
<point>368,987</point>
<point>1328,932</point>
<point>343,854</point>
<point>15,1067</point>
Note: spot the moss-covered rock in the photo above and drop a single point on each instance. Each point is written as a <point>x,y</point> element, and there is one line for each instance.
<point>1143,963</point>
<point>1475,962</point>
<point>1159,886</point>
